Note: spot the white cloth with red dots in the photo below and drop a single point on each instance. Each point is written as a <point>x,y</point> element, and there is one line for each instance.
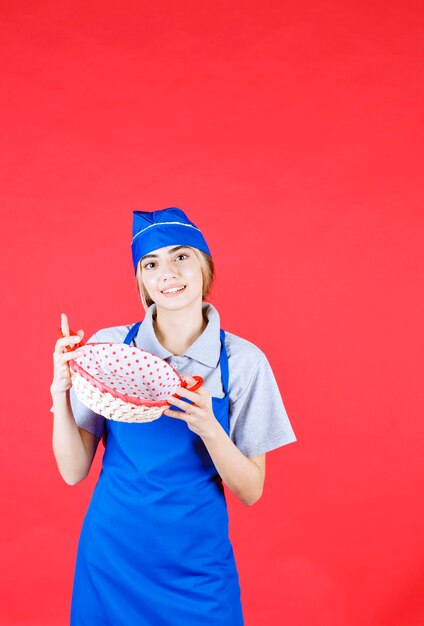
<point>129,371</point>
<point>258,418</point>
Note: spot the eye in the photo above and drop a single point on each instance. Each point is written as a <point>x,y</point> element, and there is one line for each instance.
<point>183,254</point>
<point>146,266</point>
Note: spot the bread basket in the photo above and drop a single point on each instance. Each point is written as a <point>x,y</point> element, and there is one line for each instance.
<point>123,383</point>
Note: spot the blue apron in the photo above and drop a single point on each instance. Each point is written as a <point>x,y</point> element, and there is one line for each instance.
<point>154,548</point>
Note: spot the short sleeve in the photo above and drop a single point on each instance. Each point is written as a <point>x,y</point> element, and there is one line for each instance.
<point>85,418</point>
<point>258,418</point>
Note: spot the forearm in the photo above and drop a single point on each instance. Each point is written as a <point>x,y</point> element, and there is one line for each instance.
<point>239,473</point>
<point>71,456</point>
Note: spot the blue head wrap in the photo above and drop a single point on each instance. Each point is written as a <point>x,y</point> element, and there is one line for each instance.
<point>167,227</point>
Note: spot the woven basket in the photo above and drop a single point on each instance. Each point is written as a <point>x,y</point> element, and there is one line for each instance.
<point>124,383</point>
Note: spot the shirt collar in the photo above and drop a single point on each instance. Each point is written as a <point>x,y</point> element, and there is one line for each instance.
<point>206,349</point>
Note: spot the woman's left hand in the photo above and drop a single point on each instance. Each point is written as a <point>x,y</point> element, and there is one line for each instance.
<point>199,415</point>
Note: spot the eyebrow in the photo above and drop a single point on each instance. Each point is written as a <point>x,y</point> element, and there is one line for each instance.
<point>171,251</point>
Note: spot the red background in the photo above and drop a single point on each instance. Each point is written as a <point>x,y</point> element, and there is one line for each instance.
<point>292,134</point>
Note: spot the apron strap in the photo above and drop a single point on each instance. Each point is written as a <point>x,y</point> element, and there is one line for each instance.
<point>223,363</point>
<point>132,333</point>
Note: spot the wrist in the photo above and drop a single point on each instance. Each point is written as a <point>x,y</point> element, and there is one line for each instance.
<point>57,393</point>
<point>213,431</point>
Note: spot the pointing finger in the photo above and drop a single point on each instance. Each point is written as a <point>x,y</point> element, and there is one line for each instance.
<point>64,324</point>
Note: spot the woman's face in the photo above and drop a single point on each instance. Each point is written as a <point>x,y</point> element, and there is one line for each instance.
<point>172,276</point>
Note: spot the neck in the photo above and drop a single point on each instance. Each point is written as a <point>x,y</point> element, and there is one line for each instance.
<point>177,330</point>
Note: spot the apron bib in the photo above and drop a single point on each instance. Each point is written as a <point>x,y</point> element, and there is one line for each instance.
<point>154,548</point>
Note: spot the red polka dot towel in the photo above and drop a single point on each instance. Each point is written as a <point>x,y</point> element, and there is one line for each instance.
<point>124,383</point>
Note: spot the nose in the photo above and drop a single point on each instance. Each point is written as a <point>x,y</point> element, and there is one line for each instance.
<point>169,271</point>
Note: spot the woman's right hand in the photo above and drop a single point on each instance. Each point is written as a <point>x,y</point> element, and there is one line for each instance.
<point>61,373</point>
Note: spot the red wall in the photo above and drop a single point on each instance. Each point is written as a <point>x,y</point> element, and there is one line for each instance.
<point>292,134</point>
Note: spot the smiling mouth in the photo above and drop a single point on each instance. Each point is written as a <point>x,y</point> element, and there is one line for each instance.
<point>174,290</point>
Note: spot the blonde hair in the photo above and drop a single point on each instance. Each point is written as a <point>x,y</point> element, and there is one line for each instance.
<point>206,266</point>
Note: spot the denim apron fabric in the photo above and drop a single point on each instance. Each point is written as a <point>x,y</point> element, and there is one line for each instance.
<point>154,548</point>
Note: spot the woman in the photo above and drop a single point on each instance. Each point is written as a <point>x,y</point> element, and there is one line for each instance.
<point>154,547</point>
